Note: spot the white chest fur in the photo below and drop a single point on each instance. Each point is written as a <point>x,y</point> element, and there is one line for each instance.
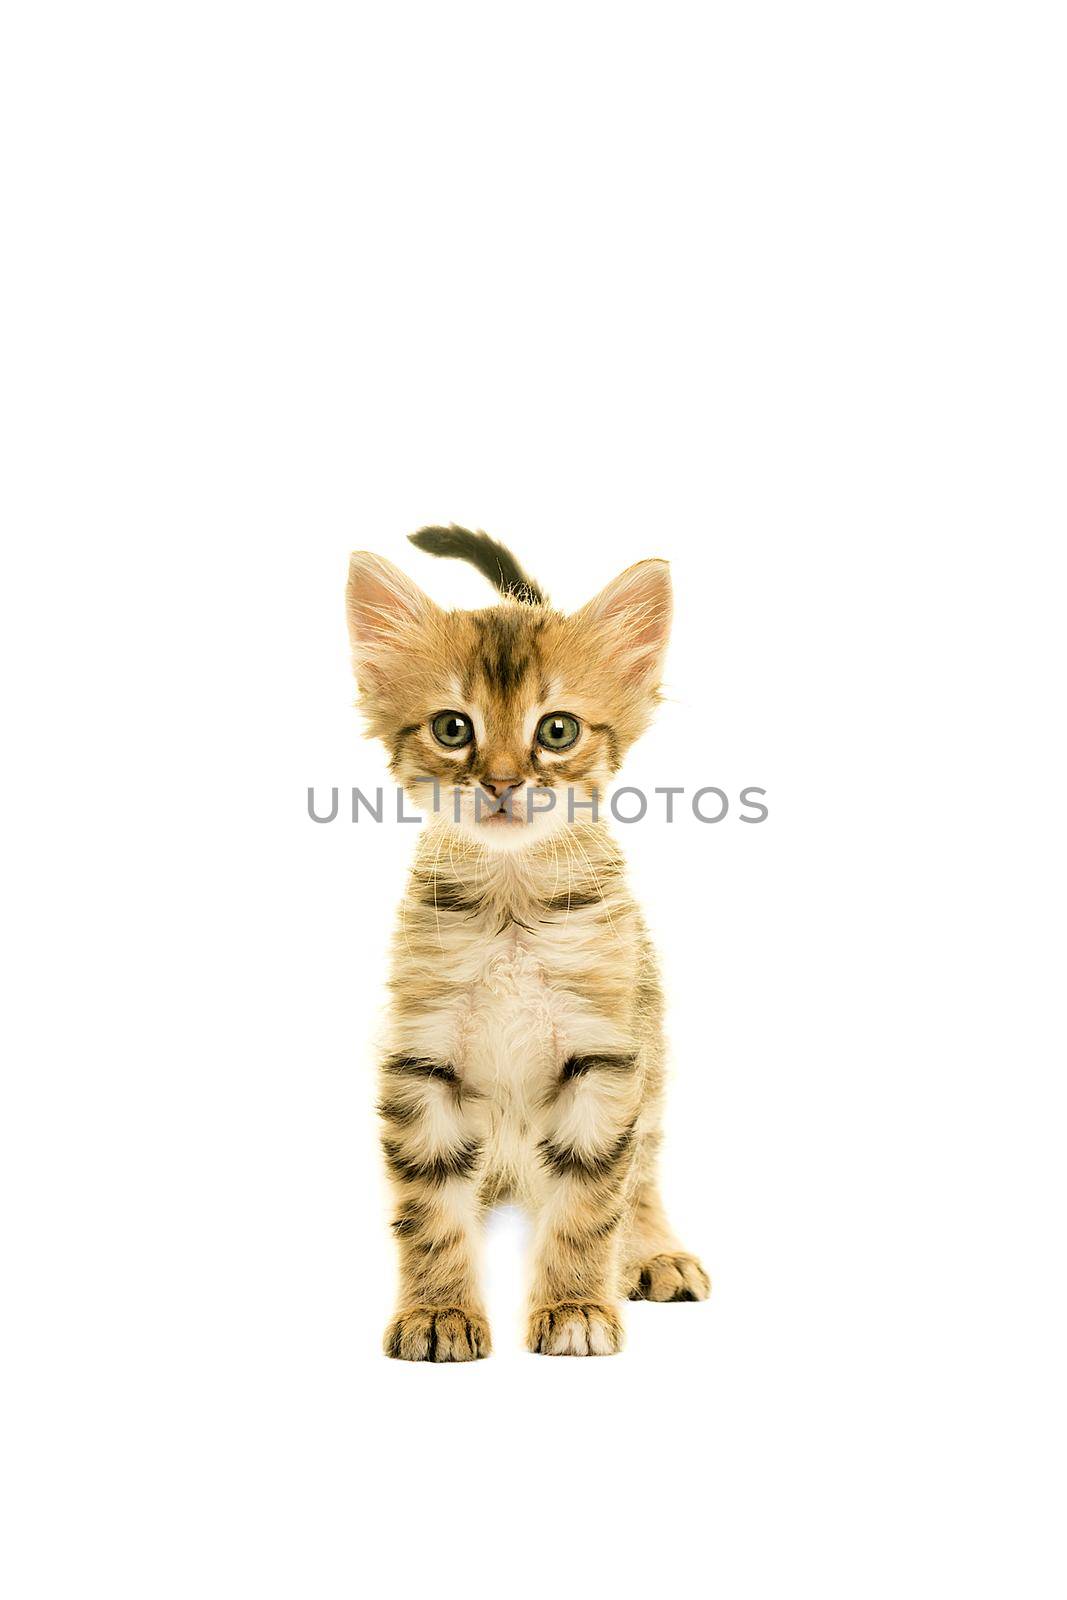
<point>506,1040</point>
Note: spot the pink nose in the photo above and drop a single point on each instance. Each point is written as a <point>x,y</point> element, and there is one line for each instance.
<point>498,787</point>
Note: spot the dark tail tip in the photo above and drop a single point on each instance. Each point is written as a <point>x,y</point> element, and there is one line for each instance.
<point>493,560</point>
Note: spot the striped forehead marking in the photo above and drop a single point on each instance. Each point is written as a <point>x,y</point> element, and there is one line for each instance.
<point>507,649</point>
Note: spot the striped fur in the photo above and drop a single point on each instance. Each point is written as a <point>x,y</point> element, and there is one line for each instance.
<point>524,1057</point>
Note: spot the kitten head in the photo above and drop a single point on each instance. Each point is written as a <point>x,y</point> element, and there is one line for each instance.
<point>490,713</point>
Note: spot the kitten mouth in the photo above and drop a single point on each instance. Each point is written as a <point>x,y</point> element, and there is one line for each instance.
<point>503,816</point>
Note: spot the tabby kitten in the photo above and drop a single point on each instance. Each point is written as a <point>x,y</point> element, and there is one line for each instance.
<point>524,1056</point>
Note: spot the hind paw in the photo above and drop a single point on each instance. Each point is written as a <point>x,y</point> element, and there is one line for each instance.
<point>673,1276</point>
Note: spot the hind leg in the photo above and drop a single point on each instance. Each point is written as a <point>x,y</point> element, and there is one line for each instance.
<point>654,1266</point>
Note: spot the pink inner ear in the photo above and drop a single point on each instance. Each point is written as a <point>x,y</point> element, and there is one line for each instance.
<point>638,605</point>
<point>381,599</point>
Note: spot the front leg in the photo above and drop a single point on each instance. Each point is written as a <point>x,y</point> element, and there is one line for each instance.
<point>586,1160</point>
<point>432,1154</point>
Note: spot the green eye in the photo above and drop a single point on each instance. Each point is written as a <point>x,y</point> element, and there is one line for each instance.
<point>452,729</point>
<point>559,731</point>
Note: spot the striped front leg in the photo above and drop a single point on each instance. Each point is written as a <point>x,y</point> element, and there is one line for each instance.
<point>586,1160</point>
<point>432,1155</point>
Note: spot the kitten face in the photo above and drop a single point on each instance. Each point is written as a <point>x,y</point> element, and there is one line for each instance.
<point>502,708</point>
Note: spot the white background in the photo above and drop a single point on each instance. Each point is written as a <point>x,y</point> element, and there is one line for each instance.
<point>776,292</point>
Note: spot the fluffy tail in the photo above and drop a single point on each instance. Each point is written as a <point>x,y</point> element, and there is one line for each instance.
<point>493,560</point>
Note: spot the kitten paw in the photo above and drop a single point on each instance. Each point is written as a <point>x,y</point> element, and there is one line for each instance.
<point>437,1333</point>
<point>672,1277</point>
<point>574,1328</point>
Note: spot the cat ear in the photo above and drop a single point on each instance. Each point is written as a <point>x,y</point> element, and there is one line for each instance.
<point>385,611</point>
<point>634,615</point>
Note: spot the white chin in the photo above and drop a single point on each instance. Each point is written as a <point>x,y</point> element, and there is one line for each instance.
<point>504,833</point>
<point>500,832</point>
